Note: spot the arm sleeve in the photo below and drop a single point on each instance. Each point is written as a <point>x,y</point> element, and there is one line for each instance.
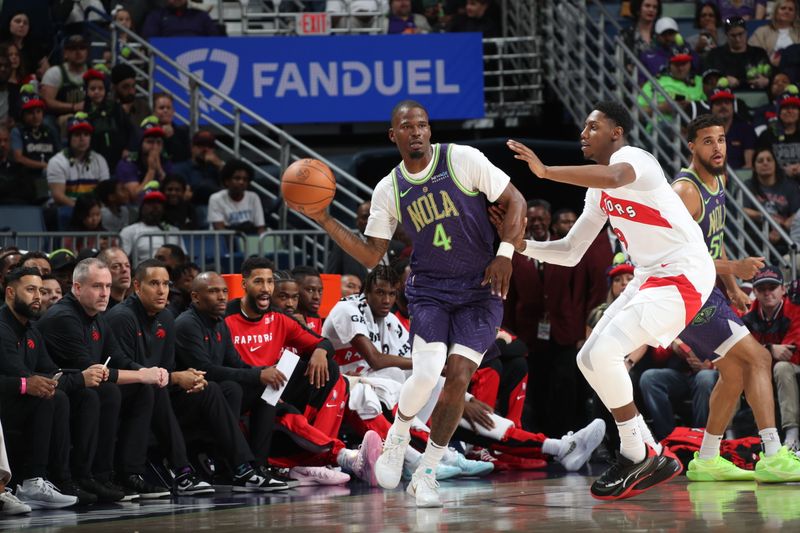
<point>215,210</point>
<point>125,333</point>
<point>63,336</point>
<point>475,172</point>
<point>569,250</point>
<point>383,211</point>
<point>56,173</point>
<point>52,77</point>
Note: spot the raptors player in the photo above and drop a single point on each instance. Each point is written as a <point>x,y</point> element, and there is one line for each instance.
<point>674,276</point>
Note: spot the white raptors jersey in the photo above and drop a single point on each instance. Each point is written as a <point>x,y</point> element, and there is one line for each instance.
<point>352,316</point>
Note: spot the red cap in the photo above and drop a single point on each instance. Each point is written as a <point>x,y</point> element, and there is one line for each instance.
<point>93,74</point>
<point>154,196</point>
<point>680,58</point>
<point>622,268</point>
<point>722,94</point>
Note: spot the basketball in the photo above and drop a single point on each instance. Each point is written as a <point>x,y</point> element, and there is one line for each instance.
<point>308,185</point>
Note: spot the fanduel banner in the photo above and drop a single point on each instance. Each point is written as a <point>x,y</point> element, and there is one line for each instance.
<point>353,78</point>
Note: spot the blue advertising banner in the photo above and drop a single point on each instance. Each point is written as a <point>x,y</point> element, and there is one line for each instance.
<point>353,78</point>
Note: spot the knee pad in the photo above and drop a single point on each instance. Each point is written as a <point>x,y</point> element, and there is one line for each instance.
<point>602,363</point>
<point>429,359</point>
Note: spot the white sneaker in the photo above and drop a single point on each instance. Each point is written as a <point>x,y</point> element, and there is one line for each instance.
<point>39,493</point>
<point>9,504</point>
<point>389,467</point>
<point>318,475</point>
<point>362,462</point>
<point>579,446</point>
<point>468,467</point>
<point>443,471</point>
<point>425,489</point>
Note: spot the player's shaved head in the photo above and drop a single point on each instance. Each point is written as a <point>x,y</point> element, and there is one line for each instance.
<point>210,294</point>
<point>204,279</point>
<point>406,105</point>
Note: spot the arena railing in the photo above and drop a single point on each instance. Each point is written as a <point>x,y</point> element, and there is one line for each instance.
<point>220,250</point>
<point>586,61</point>
<point>53,240</point>
<point>291,248</point>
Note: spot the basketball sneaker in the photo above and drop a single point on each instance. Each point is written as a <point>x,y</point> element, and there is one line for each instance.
<point>623,476</point>
<point>716,469</point>
<point>318,475</point>
<point>443,471</point>
<point>782,467</point>
<point>580,445</point>
<point>10,505</point>
<point>425,489</point>
<point>362,463</point>
<point>389,466</point>
<point>667,467</point>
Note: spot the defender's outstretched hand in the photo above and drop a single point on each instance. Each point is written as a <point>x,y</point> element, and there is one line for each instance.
<point>526,154</point>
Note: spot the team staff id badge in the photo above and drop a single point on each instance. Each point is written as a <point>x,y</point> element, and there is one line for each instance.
<point>543,331</point>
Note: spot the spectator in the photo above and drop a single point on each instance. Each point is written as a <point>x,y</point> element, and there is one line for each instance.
<point>39,407</point>
<point>782,133</point>
<point>33,142</point>
<point>434,13</point>
<point>357,14</point>
<point>772,320</point>
<point>51,292</point>
<point>179,212</point>
<point>180,295</point>
<point>171,255</point>
<point>120,267</point>
<point>37,260</point>
<point>177,20</point>
<point>779,196</point>
<point>15,186</point>
<point>202,172</point>
<point>741,63</point>
<point>62,85</point>
<point>781,32</point>
<point>563,220</point>
<point>678,82</point>
<point>78,14</point>
<point>309,282</point>
<point>176,138</point>
<point>481,16</point>
<point>77,335</point>
<point>86,217</point>
<point>9,257</point>
<point>18,70</point>
<point>746,9</point>
<point>113,130</point>
<point>63,262</point>
<point>400,19</point>
<point>638,37</point>
<point>236,208</point>
<point>114,213</point>
<point>78,169</point>
<point>710,36</point>
<point>778,83</point>
<point>666,46</point>
<point>30,49</point>
<point>740,138</point>
<point>123,83</point>
<point>150,228</point>
<point>351,284</point>
<point>147,164</point>
<point>9,95</point>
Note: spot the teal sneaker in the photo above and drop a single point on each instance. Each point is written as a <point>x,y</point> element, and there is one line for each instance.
<point>716,469</point>
<point>783,467</point>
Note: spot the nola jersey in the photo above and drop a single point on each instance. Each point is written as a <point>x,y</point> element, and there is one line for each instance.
<point>352,316</point>
<point>260,341</point>
<point>443,210</point>
<point>712,216</point>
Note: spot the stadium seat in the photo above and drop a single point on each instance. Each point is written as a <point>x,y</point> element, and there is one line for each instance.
<point>21,218</point>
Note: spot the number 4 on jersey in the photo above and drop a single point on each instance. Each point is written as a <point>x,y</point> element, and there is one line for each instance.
<point>441,239</point>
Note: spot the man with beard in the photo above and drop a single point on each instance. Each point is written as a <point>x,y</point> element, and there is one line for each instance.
<point>39,407</point>
<point>78,336</point>
<point>716,334</point>
<point>123,81</point>
<point>310,284</point>
<point>151,216</point>
<point>145,331</point>
<point>315,393</point>
<point>120,267</point>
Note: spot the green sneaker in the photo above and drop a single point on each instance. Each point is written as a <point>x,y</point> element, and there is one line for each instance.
<point>783,467</point>
<point>716,469</point>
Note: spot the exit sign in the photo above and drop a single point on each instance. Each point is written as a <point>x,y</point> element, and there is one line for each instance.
<point>313,24</point>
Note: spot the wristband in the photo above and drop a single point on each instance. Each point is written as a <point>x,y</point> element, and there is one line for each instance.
<point>23,385</point>
<point>506,249</point>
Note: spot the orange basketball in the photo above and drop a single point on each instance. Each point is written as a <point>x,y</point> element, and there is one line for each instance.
<point>308,185</point>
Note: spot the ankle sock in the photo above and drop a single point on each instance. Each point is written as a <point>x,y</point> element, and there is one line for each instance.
<point>630,437</point>
<point>770,440</point>
<point>710,446</point>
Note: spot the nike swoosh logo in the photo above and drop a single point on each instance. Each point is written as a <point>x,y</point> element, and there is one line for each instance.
<point>403,193</point>
<point>331,405</point>
<point>256,348</point>
<point>520,397</point>
<point>705,202</point>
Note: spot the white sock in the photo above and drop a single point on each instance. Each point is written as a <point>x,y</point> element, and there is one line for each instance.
<point>770,440</point>
<point>630,438</point>
<point>710,447</point>
<point>400,427</point>
<point>792,435</point>
<point>431,458</point>
<point>552,447</point>
<point>647,436</point>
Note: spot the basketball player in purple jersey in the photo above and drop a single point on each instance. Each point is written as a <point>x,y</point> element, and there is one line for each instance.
<point>717,334</point>
<point>439,193</point>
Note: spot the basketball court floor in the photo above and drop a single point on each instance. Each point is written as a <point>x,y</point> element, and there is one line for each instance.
<point>503,501</point>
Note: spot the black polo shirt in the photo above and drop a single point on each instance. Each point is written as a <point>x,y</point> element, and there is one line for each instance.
<point>204,343</point>
<point>145,341</point>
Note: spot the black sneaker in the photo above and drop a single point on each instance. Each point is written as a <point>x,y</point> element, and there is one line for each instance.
<point>281,474</point>
<point>253,481</point>
<point>135,483</point>
<point>623,476</point>
<point>103,493</point>
<point>189,484</point>
<point>68,487</point>
<point>668,466</point>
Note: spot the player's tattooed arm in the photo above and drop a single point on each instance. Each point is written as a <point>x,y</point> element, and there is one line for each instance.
<point>367,253</point>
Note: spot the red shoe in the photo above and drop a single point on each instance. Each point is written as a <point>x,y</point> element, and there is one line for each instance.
<point>515,462</point>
